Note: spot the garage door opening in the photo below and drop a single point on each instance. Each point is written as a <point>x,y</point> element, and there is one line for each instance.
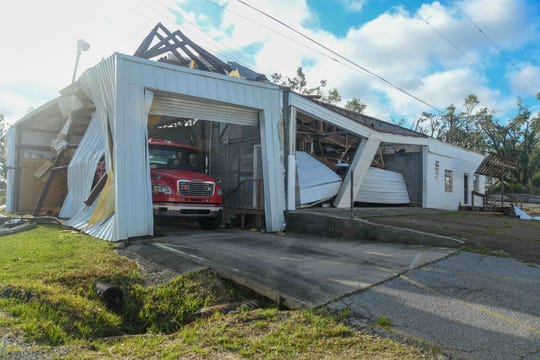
<point>333,152</point>
<point>226,142</point>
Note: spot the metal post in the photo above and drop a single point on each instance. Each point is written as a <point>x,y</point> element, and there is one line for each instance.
<point>502,193</point>
<point>352,194</point>
<point>76,65</point>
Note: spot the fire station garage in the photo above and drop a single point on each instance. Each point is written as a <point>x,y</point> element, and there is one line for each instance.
<point>110,113</point>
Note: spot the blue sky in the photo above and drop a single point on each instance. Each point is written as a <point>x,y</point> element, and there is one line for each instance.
<point>389,38</point>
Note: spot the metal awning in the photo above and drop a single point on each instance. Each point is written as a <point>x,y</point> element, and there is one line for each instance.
<point>496,166</point>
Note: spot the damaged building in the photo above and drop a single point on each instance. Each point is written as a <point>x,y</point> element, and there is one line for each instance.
<point>272,149</point>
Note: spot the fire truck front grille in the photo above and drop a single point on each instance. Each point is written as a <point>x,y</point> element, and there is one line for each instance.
<point>195,188</point>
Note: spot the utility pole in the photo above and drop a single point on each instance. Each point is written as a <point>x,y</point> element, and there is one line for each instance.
<point>81,46</point>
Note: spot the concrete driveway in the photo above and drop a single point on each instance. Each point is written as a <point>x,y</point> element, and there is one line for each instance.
<point>296,271</point>
<point>471,306</point>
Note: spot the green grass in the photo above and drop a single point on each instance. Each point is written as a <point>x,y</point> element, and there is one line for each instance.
<point>47,279</point>
<point>383,320</point>
<point>259,334</point>
<point>46,283</point>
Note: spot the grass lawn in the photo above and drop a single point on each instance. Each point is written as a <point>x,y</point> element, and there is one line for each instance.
<point>47,297</point>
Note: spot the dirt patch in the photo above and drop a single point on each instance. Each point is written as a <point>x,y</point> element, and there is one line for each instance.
<point>489,233</point>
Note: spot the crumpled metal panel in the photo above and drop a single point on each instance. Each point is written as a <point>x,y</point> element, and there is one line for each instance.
<point>317,181</point>
<point>99,84</point>
<point>82,168</point>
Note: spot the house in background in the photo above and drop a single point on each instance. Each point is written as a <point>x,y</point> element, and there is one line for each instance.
<point>249,129</point>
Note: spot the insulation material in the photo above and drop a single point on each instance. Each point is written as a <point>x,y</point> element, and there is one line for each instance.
<point>317,181</point>
<point>105,202</point>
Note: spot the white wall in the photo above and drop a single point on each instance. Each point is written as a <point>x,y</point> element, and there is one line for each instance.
<point>460,162</point>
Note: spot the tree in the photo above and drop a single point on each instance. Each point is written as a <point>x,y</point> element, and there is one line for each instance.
<point>355,105</point>
<point>300,85</point>
<point>461,128</point>
<point>476,129</point>
<point>518,139</point>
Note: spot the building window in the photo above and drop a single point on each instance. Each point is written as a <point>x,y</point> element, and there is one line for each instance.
<point>476,183</point>
<point>448,181</point>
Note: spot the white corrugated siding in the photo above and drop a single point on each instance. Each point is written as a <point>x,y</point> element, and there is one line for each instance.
<point>134,76</point>
<point>121,89</point>
<point>191,108</point>
<point>317,182</point>
<point>82,168</point>
<point>133,205</point>
<point>99,84</point>
<point>383,187</point>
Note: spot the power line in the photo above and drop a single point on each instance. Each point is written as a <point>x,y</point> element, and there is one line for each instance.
<point>166,8</point>
<point>293,40</point>
<point>270,29</point>
<point>495,45</point>
<point>371,73</point>
<point>454,45</point>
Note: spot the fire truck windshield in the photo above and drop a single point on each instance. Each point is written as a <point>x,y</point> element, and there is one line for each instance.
<point>167,157</point>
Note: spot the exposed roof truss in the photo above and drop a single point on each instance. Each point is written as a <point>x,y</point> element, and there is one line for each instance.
<point>496,166</point>
<point>161,41</point>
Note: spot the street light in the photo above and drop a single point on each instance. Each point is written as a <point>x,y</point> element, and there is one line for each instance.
<point>81,46</point>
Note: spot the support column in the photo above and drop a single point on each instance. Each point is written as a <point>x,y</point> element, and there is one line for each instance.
<point>360,165</point>
<point>291,160</point>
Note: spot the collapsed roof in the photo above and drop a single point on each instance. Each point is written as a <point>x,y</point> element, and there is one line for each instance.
<point>176,48</point>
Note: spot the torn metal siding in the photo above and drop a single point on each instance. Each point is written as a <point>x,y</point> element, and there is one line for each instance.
<point>99,82</point>
<point>82,168</point>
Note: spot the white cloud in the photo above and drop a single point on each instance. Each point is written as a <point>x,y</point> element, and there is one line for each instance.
<point>520,81</point>
<point>396,45</point>
<point>39,39</point>
<point>353,5</point>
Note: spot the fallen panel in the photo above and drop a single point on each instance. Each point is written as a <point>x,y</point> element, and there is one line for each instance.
<point>383,187</point>
<point>317,181</point>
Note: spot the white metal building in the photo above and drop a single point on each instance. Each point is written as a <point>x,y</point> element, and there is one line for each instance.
<point>124,91</point>
<point>446,172</point>
<point>106,113</point>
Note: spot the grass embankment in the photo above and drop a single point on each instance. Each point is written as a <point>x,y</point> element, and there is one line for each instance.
<point>47,293</point>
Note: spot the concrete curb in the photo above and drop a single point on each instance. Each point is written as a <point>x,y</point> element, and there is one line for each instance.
<point>308,222</point>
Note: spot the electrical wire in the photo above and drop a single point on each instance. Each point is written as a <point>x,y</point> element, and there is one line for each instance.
<point>363,68</point>
<point>231,54</point>
<point>495,45</point>
<point>454,45</point>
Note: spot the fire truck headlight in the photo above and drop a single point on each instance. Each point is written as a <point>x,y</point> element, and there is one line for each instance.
<point>161,189</point>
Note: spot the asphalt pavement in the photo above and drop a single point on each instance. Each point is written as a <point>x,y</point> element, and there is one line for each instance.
<point>472,306</point>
